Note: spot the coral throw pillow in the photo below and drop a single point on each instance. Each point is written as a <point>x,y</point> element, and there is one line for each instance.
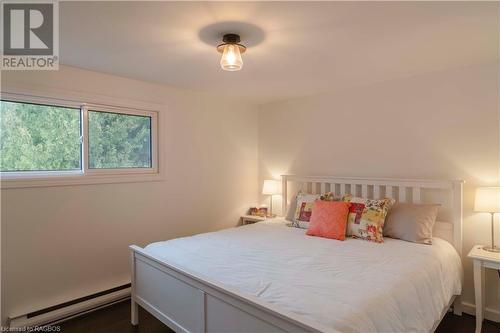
<point>329,219</point>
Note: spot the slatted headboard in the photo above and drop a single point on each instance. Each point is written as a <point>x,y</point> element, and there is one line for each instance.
<point>447,193</point>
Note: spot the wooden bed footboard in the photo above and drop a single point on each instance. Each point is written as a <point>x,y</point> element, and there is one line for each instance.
<point>186,303</point>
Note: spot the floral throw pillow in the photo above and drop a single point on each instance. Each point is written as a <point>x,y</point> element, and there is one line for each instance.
<point>329,196</point>
<point>366,217</point>
<point>305,203</point>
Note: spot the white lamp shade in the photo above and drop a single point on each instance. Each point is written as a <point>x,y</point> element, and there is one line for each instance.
<point>487,200</point>
<point>271,187</point>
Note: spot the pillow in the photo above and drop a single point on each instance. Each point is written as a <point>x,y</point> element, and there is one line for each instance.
<point>328,219</point>
<point>303,211</point>
<point>292,207</point>
<point>329,196</point>
<point>366,217</point>
<point>304,207</point>
<point>411,222</point>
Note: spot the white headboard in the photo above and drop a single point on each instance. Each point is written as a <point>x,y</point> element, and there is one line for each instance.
<point>447,193</point>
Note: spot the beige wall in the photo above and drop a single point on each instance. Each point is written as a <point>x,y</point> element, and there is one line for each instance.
<point>443,125</point>
<point>60,243</point>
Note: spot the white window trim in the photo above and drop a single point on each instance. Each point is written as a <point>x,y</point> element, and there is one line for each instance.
<point>86,175</point>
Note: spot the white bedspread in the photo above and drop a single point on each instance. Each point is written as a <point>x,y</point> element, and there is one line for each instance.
<point>349,286</point>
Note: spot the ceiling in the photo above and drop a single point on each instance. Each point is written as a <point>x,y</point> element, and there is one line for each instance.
<point>294,48</point>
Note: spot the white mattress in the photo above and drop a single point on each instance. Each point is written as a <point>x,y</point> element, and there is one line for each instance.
<point>349,286</point>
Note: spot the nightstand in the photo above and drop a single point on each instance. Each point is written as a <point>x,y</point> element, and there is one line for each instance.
<point>482,259</point>
<point>249,219</point>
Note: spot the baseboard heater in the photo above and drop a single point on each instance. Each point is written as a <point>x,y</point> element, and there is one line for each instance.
<point>74,308</point>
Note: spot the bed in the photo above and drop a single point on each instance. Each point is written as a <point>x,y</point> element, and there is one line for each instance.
<point>268,277</point>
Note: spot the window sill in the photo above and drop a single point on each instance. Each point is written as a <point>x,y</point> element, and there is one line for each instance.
<point>77,179</point>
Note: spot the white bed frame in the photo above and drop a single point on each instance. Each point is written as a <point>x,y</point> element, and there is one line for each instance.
<point>188,303</point>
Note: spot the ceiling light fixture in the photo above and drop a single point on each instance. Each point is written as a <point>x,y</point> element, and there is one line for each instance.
<point>231,50</point>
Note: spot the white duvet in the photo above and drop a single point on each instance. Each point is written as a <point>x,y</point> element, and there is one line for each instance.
<point>346,286</point>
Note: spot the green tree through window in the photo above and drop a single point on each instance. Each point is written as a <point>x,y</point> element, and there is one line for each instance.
<point>39,137</point>
<point>119,140</point>
<point>35,137</point>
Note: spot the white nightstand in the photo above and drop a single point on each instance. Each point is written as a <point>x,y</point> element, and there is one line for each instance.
<point>482,259</point>
<point>249,219</point>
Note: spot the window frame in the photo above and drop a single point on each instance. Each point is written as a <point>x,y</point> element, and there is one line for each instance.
<point>85,175</point>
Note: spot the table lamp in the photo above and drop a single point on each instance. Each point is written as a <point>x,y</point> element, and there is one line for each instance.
<point>271,187</point>
<point>488,201</point>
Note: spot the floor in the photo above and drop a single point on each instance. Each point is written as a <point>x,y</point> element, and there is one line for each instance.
<point>116,318</point>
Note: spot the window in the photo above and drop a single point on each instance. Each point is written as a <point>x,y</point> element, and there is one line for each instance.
<point>38,137</point>
<point>43,138</point>
<point>119,141</point>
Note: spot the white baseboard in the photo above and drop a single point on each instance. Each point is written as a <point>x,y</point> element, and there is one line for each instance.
<point>69,312</point>
<point>490,314</point>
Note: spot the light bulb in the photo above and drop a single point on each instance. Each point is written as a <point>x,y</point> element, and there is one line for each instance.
<point>231,58</point>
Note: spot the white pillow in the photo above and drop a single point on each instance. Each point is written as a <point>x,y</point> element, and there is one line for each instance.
<point>290,214</point>
<point>303,210</point>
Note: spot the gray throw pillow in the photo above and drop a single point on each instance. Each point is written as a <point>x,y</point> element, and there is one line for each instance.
<point>411,222</point>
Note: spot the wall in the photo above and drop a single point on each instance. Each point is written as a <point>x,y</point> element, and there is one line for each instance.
<point>443,125</point>
<point>59,243</point>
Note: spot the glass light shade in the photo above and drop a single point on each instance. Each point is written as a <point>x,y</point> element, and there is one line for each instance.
<point>231,58</point>
<point>487,200</point>
<point>271,187</point>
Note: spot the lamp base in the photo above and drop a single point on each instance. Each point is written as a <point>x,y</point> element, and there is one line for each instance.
<point>491,249</point>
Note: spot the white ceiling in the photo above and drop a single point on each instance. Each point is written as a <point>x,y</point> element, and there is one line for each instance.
<point>295,48</point>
